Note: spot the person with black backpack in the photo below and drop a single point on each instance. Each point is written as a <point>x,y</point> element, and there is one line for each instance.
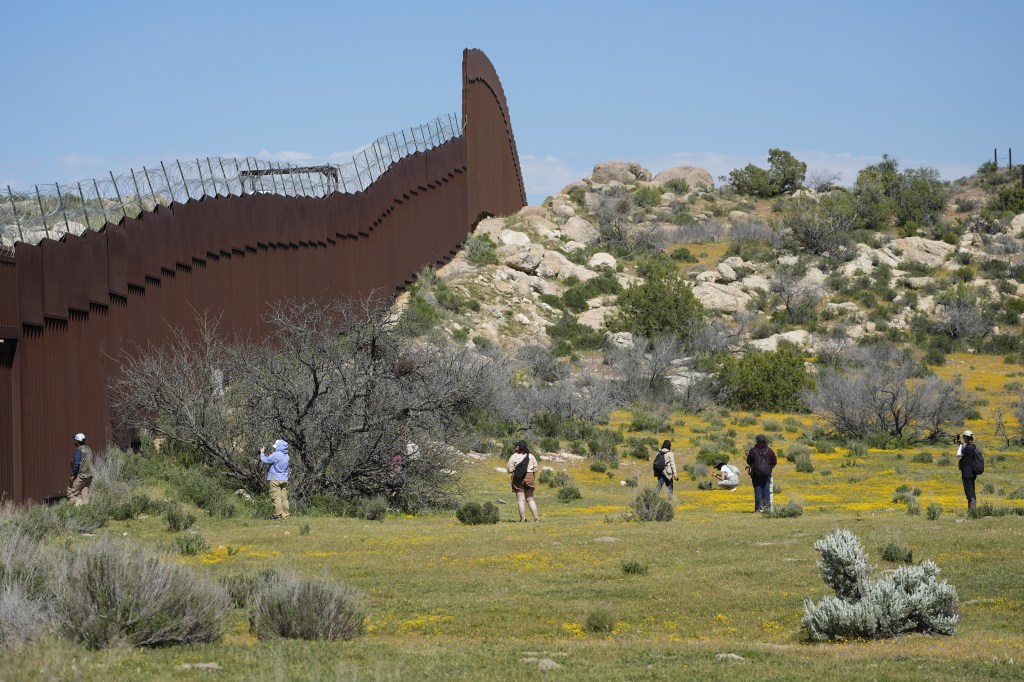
<point>523,467</point>
<point>760,462</point>
<point>972,465</point>
<point>665,469</point>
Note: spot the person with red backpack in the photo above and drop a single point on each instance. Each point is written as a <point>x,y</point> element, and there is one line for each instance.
<point>760,462</point>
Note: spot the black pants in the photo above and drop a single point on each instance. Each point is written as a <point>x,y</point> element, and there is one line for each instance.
<point>969,489</point>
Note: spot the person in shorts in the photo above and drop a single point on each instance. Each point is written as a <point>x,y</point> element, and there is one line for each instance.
<point>524,487</point>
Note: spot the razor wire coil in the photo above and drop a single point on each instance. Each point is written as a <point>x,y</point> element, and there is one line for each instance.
<point>54,210</point>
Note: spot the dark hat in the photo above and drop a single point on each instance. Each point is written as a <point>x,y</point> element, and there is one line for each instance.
<point>761,440</point>
<point>719,465</point>
<point>521,444</point>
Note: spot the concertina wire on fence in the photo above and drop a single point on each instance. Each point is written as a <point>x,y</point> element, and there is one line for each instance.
<point>51,211</point>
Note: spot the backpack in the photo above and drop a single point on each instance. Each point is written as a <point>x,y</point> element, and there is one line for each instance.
<point>659,463</point>
<point>519,473</point>
<point>762,465</point>
<point>978,462</point>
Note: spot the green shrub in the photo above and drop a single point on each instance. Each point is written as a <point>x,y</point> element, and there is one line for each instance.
<point>648,506</point>
<point>913,507</point>
<point>643,421</point>
<point>568,493</point>
<point>474,514</point>
<point>772,380</point>
<point>923,458</point>
<point>934,511</point>
<point>241,586</point>
<point>549,444</point>
<point>294,608</point>
<point>804,464</point>
<point>191,544</point>
<point>598,467</point>
<point>784,176</point>
<point>705,485</point>
<point>787,511</point>
<point>572,335</point>
<point>118,595</point>
<point>648,196</point>
<point>677,186</point>
<point>374,508</point>
<point>601,619</point>
<point>681,253</point>
<point>897,554</point>
<point>178,519</point>
<point>634,568</point>
<point>131,508</point>
<point>304,529</point>
<point>481,250</point>
<point>663,304</point>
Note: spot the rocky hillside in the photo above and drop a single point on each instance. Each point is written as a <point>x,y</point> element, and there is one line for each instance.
<point>552,274</point>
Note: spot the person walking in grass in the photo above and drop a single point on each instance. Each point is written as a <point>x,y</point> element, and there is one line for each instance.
<point>80,482</point>
<point>761,461</point>
<point>971,466</point>
<point>277,477</point>
<point>665,469</point>
<point>728,476</point>
<point>522,466</point>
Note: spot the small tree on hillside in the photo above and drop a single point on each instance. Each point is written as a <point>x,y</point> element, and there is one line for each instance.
<point>663,304</point>
<point>785,175</point>
<point>773,380</point>
<point>821,227</point>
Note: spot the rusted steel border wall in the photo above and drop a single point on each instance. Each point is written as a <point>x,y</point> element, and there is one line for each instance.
<point>69,309</point>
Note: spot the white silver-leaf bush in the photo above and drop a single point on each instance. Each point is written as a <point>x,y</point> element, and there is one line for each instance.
<point>910,599</point>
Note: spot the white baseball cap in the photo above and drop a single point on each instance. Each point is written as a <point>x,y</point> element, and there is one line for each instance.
<point>969,434</point>
<point>80,437</point>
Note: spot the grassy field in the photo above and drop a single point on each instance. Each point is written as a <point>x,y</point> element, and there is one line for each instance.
<point>510,601</point>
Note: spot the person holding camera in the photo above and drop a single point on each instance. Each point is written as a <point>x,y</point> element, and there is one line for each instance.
<point>277,477</point>
<point>665,469</point>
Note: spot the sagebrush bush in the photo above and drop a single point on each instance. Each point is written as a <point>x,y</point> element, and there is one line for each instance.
<point>23,619</point>
<point>375,508</point>
<point>568,493</point>
<point>191,544</point>
<point>790,510</point>
<point>131,508</point>
<point>178,519</point>
<point>804,464</point>
<point>598,467</point>
<point>601,619</point>
<point>294,608</point>
<point>934,511</point>
<point>241,586</point>
<point>473,514</point>
<point>27,563</point>
<point>705,485</point>
<point>923,458</point>
<point>634,568</point>
<point>910,599</point>
<point>897,553</point>
<point>648,506</point>
<point>110,594</point>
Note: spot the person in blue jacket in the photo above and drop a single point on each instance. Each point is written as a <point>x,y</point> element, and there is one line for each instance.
<point>277,477</point>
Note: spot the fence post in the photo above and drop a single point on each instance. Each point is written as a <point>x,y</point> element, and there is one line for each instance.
<point>202,183</point>
<point>341,175</point>
<point>151,192</point>
<point>227,183</point>
<point>995,157</point>
<point>117,191</point>
<point>85,210</point>
<point>167,179</point>
<point>1010,163</point>
<point>138,192</point>
<point>183,180</point>
<point>369,172</point>
<point>213,177</point>
<point>355,164</point>
<point>17,221</point>
<point>60,202</point>
<point>252,183</point>
<point>42,212</point>
<point>99,198</point>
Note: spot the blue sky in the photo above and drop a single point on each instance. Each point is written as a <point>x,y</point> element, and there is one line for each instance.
<point>95,86</point>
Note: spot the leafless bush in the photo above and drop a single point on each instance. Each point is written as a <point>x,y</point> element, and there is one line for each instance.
<point>645,365</point>
<point>821,227</point>
<point>23,619</point>
<point>755,231</point>
<point>109,594</point>
<point>713,231</point>
<point>287,606</point>
<point>882,391</point>
<point>823,179</point>
<point>963,315</point>
<point>339,383</point>
<point>798,297</point>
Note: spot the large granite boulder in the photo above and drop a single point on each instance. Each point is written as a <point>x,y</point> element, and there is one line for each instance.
<point>626,172</point>
<point>579,230</point>
<point>694,176</point>
<point>727,298</point>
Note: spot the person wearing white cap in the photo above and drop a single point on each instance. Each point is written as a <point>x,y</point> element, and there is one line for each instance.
<point>80,483</point>
<point>971,466</point>
<point>277,477</point>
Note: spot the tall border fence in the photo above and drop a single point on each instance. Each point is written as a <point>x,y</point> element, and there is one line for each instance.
<point>72,301</point>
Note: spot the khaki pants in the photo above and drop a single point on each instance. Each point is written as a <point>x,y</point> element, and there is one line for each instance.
<point>279,496</point>
<point>80,490</point>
